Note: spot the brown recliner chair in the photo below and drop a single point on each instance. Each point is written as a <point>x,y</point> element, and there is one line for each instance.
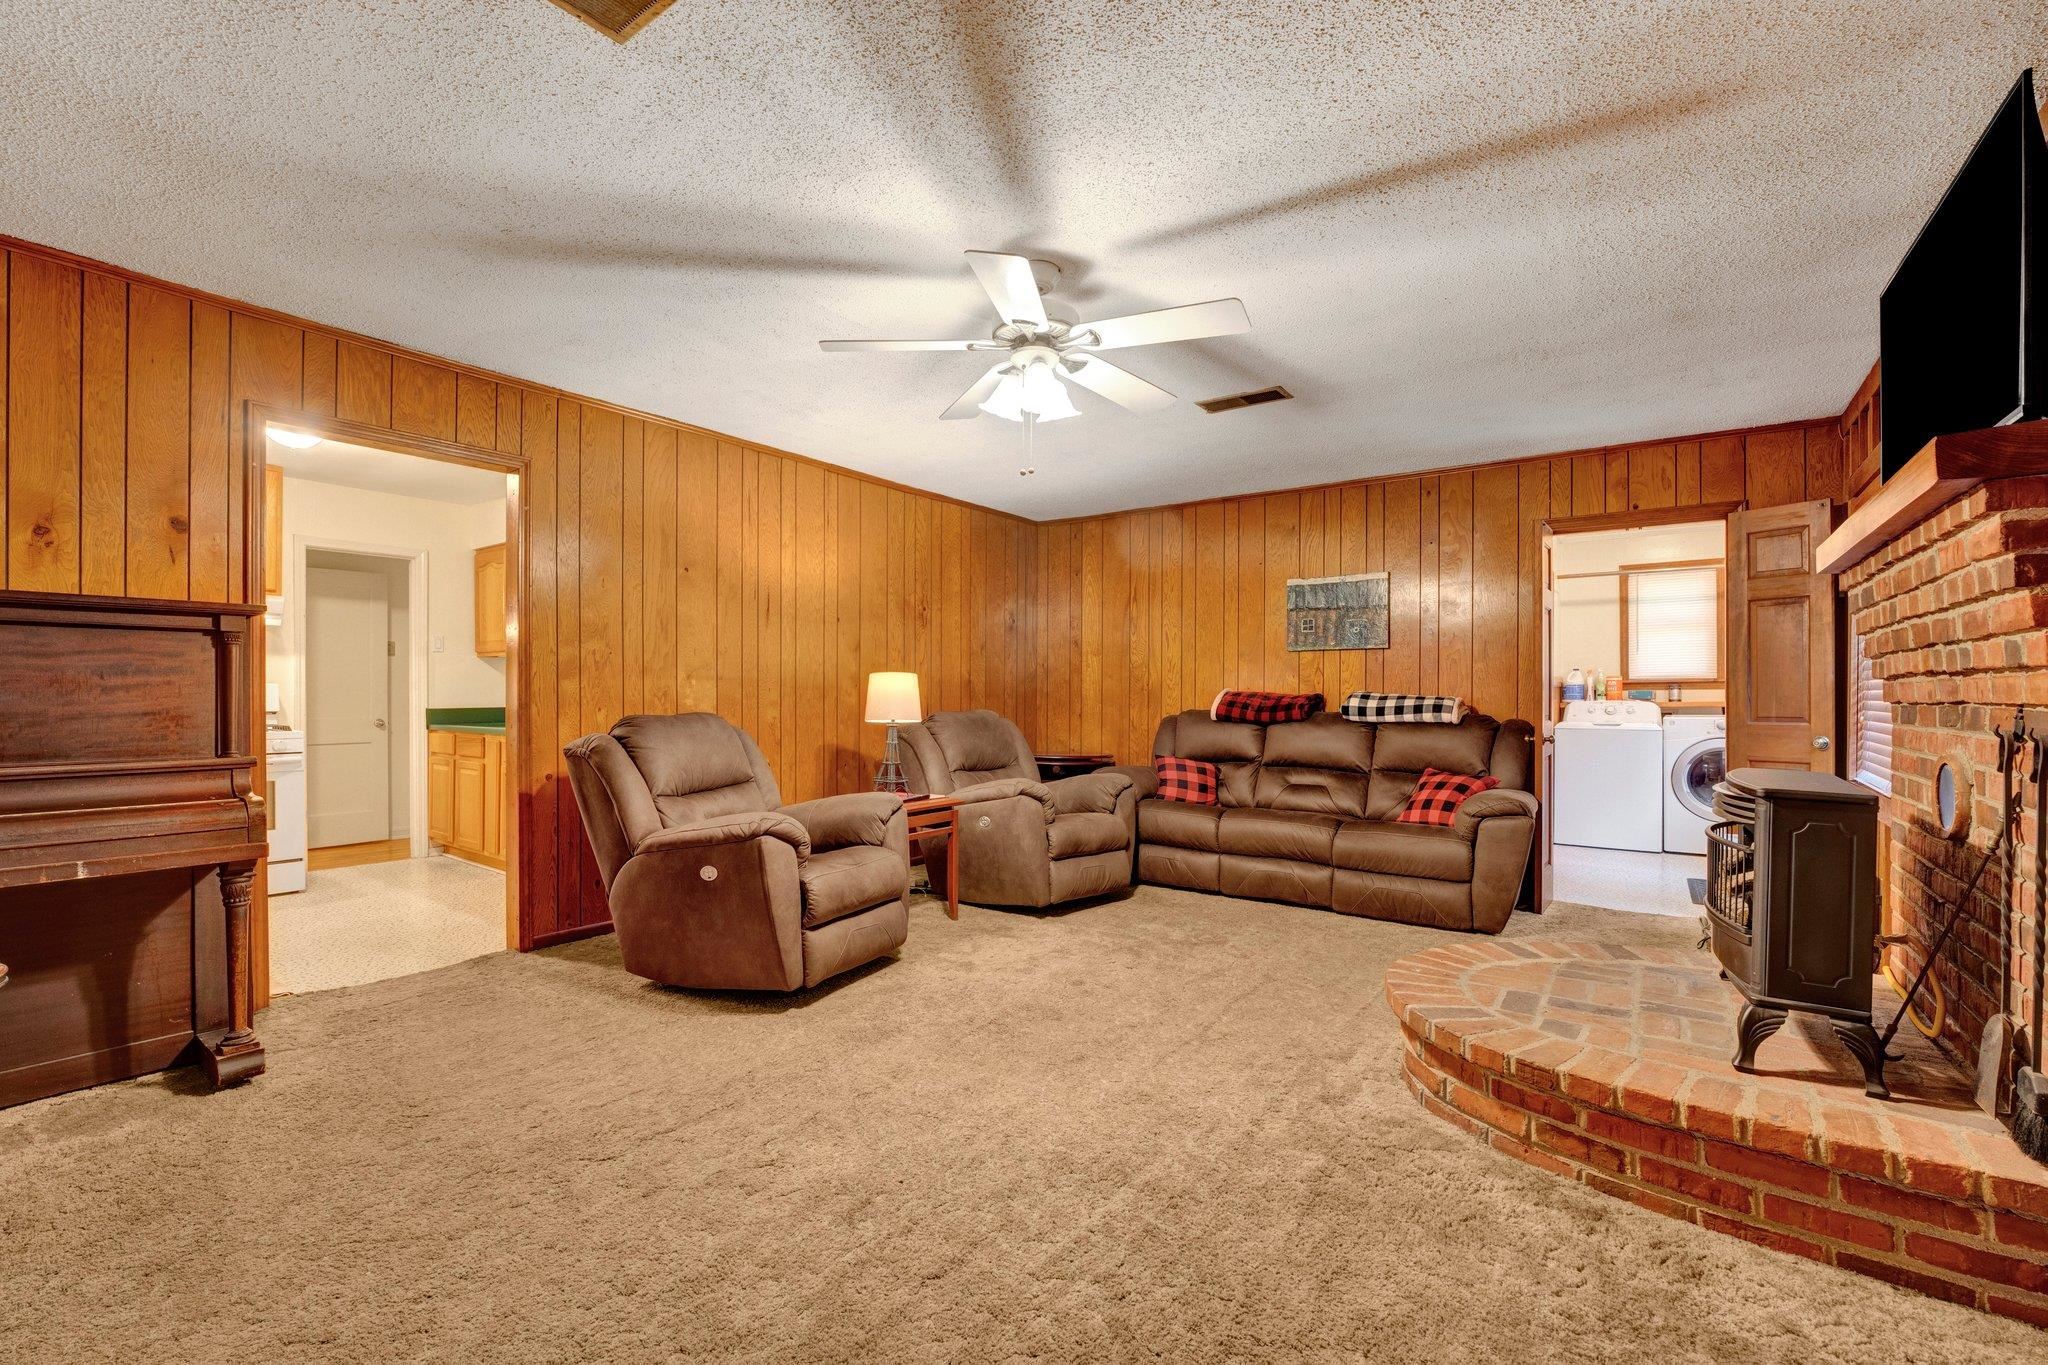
<point>1022,841</point>
<point>713,882</point>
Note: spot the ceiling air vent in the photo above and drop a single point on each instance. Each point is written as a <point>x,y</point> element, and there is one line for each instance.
<point>615,19</point>
<point>1251,399</point>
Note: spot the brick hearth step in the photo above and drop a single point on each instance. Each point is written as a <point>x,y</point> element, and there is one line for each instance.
<point>1609,1065</point>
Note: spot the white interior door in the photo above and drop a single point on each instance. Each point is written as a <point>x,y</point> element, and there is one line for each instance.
<point>348,731</point>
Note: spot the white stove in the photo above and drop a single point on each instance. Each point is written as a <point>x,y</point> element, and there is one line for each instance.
<point>285,802</point>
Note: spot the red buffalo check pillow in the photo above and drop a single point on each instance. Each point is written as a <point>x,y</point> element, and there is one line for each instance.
<point>1438,795</point>
<point>1186,779</point>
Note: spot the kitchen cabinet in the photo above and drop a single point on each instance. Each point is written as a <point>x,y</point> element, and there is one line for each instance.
<point>273,530</point>
<point>466,794</point>
<point>490,602</point>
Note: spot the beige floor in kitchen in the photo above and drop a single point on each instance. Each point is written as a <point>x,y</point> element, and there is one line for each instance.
<point>353,925</point>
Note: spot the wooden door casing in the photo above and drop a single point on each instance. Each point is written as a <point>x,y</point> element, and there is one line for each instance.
<point>1546,859</point>
<point>1781,640</point>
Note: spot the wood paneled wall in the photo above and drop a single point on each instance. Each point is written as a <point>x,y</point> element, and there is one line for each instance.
<point>671,568</point>
<point>667,568</point>
<point>1145,613</point>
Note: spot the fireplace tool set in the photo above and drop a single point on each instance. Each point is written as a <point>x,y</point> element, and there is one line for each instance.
<point>2030,1085</point>
<point>2010,1049</point>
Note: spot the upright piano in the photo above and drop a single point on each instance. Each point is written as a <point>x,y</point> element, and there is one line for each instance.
<point>129,837</point>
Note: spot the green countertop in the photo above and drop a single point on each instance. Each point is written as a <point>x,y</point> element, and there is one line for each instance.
<point>468,720</point>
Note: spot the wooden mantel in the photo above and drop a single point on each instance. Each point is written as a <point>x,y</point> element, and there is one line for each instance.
<point>1946,468</point>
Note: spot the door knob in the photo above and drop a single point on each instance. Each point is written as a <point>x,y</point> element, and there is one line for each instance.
<point>378,723</point>
<point>1820,741</point>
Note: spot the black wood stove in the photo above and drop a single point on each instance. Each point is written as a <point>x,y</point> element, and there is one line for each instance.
<point>1792,906</point>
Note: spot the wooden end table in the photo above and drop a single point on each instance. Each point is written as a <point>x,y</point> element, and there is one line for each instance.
<point>1053,767</point>
<point>932,817</point>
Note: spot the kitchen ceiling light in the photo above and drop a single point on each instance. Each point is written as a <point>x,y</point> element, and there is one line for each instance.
<point>294,440</point>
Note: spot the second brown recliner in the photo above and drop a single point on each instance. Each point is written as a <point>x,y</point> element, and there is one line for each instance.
<point>1022,841</point>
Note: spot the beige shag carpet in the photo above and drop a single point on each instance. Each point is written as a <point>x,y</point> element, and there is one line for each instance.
<point>1170,1128</point>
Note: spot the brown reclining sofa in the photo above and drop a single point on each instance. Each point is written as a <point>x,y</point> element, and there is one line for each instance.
<point>1306,813</point>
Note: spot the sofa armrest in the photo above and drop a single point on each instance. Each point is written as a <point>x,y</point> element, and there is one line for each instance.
<point>859,819</point>
<point>1487,805</point>
<point>1003,789</point>
<point>1087,793</point>
<point>1144,779</point>
<point>729,829</point>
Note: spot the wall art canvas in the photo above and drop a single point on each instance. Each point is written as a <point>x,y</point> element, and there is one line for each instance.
<point>1347,612</point>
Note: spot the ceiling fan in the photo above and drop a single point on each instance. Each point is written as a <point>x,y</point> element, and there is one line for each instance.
<point>1042,354</point>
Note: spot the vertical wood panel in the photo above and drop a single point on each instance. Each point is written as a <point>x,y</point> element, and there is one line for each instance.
<point>1776,463</point>
<point>1721,469</point>
<point>569,841</point>
<point>697,513</point>
<point>1652,476</point>
<point>1455,586</point>
<point>1536,495</point>
<point>1589,486</point>
<point>1686,474</point>
<point>322,376</point>
<point>660,577</point>
<point>422,398</point>
<point>103,442</point>
<point>509,425</point>
<point>1496,596</point>
<point>476,412</point>
<point>363,385</point>
<point>1824,462</point>
<point>159,530</point>
<point>211,482</point>
<point>45,301</point>
<point>543,786</point>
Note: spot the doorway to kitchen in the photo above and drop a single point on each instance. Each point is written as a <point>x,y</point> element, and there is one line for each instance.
<point>387,644</point>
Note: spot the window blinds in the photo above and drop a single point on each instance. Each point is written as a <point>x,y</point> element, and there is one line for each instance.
<point>1871,725</point>
<point>1673,630</point>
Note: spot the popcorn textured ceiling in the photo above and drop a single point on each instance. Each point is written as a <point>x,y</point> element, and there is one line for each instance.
<point>1464,230</point>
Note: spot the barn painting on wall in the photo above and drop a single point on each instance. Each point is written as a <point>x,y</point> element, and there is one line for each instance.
<point>1346,612</point>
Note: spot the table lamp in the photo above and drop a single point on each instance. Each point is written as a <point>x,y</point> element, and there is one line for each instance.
<point>892,701</point>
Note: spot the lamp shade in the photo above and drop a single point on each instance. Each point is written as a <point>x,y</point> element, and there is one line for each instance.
<point>892,699</point>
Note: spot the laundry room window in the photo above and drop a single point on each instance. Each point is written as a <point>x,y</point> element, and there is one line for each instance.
<point>1671,622</point>
<point>1870,724</point>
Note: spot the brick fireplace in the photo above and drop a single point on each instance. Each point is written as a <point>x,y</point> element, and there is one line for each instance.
<point>1953,614</point>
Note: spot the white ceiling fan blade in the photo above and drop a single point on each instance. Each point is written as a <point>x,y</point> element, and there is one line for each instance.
<point>900,345</point>
<point>1119,386</point>
<point>969,403</point>
<point>1189,322</point>
<point>1010,285</point>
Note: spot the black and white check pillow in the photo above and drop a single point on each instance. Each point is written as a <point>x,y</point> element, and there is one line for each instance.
<point>1186,779</point>
<point>1438,795</point>
<point>1379,708</point>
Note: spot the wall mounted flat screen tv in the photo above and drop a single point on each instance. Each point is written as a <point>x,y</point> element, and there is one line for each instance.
<point>1963,326</point>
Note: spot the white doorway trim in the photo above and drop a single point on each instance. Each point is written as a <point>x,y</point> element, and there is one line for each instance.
<point>416,676</point>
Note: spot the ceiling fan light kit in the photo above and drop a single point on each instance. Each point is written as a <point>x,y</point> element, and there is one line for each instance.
<point>1044,354</point>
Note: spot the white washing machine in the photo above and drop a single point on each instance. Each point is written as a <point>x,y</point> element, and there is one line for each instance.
<point>1610,764</point>
<point>1695,758</point>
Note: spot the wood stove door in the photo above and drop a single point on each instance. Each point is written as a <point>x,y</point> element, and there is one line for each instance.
<point>1781,640</point>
